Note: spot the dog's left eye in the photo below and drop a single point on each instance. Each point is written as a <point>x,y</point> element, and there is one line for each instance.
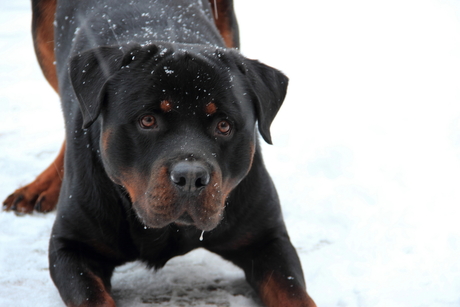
<point>223,127</point>
<point>148,122</point>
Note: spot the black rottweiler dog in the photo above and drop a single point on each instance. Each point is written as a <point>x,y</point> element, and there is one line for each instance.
<point>161,145</point>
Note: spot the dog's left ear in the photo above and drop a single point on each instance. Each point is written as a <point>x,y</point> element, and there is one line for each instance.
<point>269,87</point>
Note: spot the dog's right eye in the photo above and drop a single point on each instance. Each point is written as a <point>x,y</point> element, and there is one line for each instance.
<point>224,128</point>
<point>147,122</point>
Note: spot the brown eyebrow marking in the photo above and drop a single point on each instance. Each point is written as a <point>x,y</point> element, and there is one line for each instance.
<point>166,106</point>
<point>210,108</point>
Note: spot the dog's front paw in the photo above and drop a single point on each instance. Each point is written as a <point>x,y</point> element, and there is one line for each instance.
<point>41,195</point>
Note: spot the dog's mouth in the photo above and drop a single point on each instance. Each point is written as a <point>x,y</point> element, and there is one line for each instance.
<point>185,220</point>
<point>152,220</point>
<point>200,214</point>
<point>162,199</point>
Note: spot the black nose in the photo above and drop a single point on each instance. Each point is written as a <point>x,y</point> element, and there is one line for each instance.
<point>190,176</point>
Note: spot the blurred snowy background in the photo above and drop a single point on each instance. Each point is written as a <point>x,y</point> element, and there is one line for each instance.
<point>366,157</point>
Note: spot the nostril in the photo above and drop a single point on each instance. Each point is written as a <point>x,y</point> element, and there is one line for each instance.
<point>198,183</point>
<point>181,182</point>
<point>202,181</point>
<point>178,178</point>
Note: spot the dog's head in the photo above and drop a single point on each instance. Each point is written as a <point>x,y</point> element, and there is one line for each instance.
<point>178,124</point>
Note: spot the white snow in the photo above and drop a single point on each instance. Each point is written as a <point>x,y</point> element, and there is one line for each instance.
<point>366,158</point>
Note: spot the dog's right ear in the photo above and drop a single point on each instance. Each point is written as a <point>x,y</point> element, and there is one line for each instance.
<point>89,72</point>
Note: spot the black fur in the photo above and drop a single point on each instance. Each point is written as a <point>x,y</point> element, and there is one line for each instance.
<point>118,63</point>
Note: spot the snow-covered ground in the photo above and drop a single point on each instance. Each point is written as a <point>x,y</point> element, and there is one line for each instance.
<point>366,158</point>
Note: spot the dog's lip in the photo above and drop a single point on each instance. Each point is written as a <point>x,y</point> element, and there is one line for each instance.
<point>185,219</point>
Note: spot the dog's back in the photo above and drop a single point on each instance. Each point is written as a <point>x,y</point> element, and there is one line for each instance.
<point>83,25</point>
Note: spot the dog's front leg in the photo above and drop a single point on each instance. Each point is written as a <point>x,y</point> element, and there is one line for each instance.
<point>274,271</point>
<point>81,282</point>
